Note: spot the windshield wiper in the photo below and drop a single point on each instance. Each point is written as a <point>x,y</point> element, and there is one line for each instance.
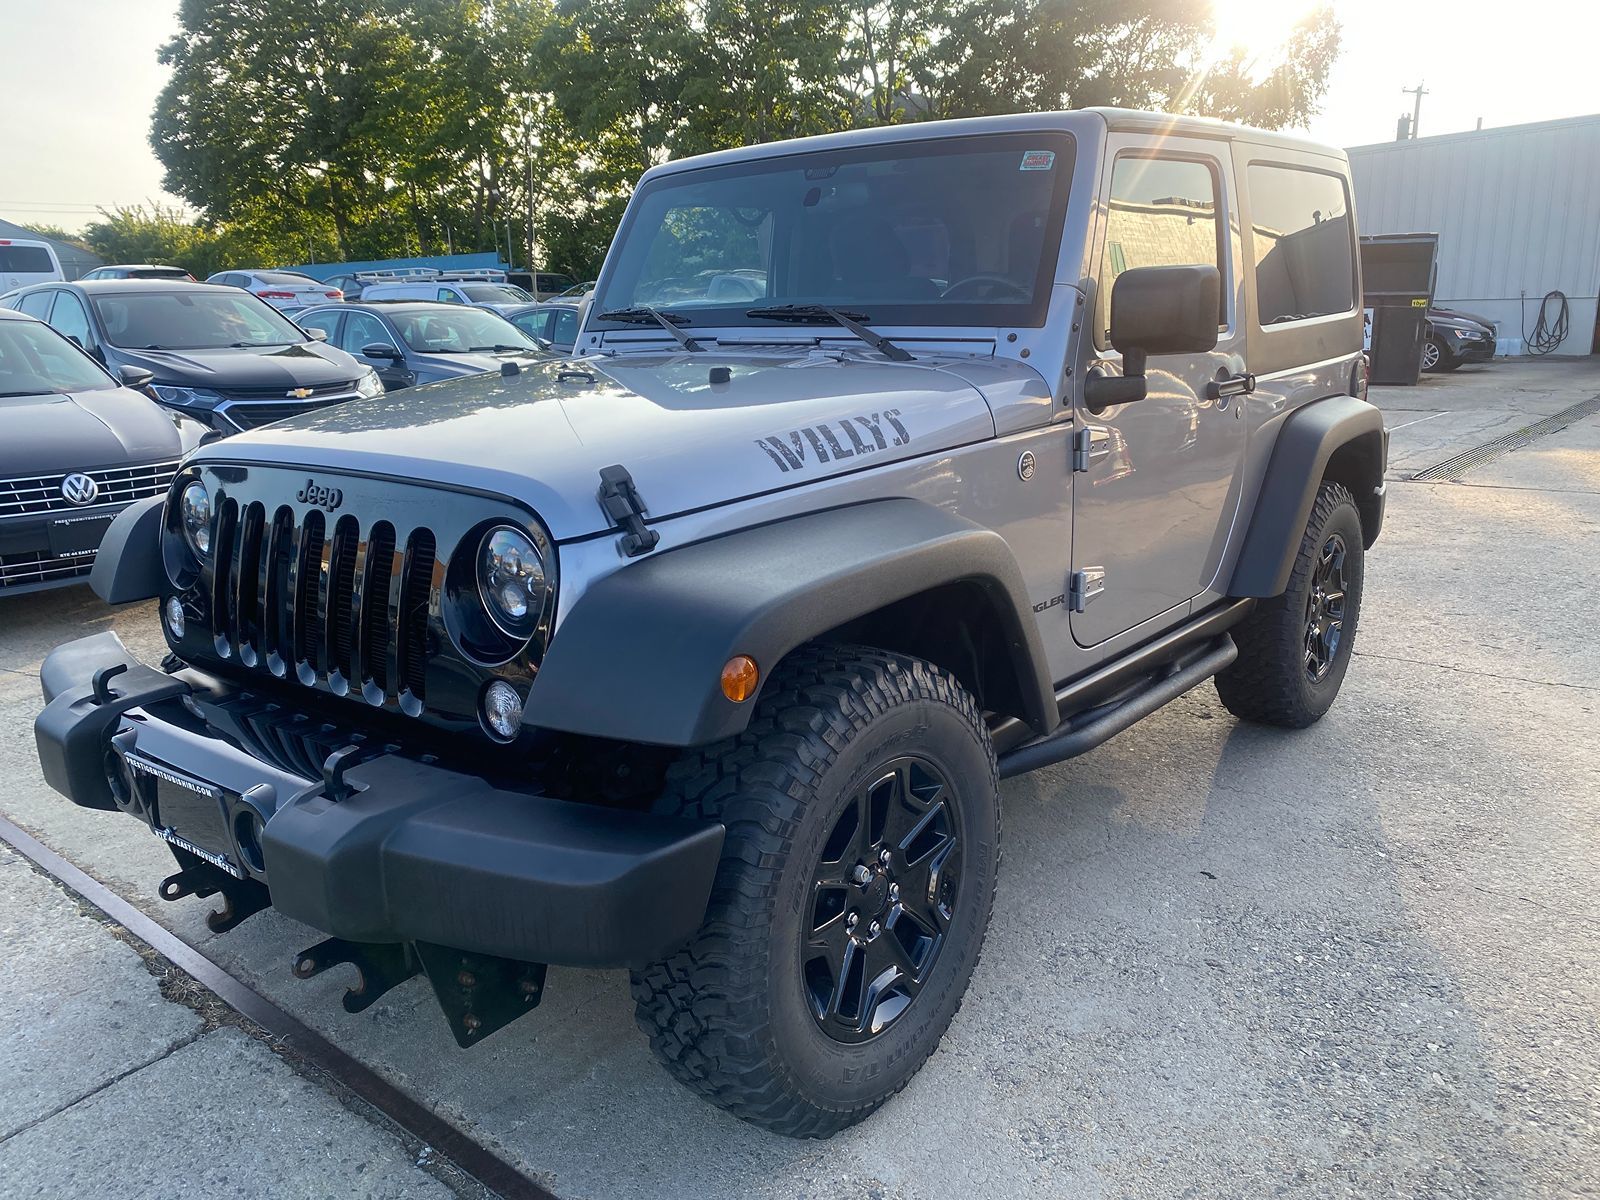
<point>644,314</point>
<point>501,348</point>
<point>812,313</point>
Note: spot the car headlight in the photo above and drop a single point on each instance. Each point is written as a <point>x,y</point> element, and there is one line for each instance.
<point>185,397</point>
<point>512,581</point>
<point>194,510</point>
<point>369,384</point>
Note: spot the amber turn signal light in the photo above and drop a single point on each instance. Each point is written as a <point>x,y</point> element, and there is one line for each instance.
<point>739,678</point>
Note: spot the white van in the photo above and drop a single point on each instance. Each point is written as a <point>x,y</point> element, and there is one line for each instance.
<point>24,262</point>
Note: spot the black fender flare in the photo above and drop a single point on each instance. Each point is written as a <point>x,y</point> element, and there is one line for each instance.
<point>128,564</point>
<point>639,658</point>
<point>1345,432</point>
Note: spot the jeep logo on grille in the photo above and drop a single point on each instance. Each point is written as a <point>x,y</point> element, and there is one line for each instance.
<point>79,488</point>
<point>320,497</point>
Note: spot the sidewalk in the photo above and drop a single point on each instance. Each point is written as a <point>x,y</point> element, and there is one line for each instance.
<point>109,1089</point>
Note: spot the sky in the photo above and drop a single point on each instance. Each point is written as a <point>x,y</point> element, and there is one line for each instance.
<point>81,77</point>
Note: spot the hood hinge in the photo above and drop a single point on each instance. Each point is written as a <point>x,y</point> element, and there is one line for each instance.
<point>620,501</point>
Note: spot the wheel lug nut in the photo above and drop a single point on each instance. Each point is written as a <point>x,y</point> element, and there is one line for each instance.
<point>884,857</point>
<point>861,874</point>
<point>894,893</point>
<point>873,929</point>
<point>850,922</point>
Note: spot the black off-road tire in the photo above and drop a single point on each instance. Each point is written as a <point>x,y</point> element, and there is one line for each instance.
<point>1270,682</point>
<point>729,1014</point>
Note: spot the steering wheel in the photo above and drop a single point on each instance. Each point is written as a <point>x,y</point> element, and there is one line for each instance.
<point>983,286</point>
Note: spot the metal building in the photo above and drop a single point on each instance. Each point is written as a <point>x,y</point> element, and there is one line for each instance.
<point>1517,211</point>
<point>75,260</point>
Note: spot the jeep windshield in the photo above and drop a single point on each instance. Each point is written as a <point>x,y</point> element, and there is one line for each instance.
<point>960,231</point>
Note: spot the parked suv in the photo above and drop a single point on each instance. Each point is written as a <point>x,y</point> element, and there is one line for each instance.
<point>215,354</point>
<point>703,653</point>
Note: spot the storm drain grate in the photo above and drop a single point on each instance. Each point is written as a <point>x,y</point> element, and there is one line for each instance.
<point>1453,468</point>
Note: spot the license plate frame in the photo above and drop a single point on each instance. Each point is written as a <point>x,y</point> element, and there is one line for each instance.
<point>189,813</point>
<point>77,537</point>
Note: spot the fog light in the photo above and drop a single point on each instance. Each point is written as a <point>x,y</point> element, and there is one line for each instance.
<point>502,710</point>
<point>175,616</point>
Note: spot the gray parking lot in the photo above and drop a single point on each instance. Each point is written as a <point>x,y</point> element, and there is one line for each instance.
<point>1362,959</point>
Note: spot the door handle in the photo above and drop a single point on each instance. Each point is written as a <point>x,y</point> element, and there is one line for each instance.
<point>1225,385</point>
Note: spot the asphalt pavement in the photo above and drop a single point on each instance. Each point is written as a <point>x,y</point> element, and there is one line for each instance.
<point>1358,960</point>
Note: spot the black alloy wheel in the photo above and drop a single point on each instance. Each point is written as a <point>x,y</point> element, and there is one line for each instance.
<point>1325,609</point>
<point>883,896</point>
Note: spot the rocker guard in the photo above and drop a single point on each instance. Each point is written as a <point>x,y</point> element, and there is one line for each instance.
<point>410,852</point>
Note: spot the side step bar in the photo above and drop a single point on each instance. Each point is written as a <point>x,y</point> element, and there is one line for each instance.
<point>1089,729</point>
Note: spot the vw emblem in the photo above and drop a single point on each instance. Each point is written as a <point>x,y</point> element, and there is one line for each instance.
<point>79,489</point>
<point>1026,466</point>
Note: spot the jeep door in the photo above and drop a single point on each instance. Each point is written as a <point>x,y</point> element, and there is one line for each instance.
<point>1156,492</point>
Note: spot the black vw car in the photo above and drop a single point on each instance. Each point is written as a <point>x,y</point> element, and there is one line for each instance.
<point>78,448</point>
<point>215,353</point>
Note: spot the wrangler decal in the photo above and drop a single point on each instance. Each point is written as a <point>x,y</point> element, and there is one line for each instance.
<point>788,450</point>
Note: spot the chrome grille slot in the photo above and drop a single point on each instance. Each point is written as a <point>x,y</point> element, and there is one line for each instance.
<point>117,485</point>
<point>224,624</point>
<point>339,594</point>
<point>412,638</point>
<point>307,616</point>
<point>376,605</point>
<point>246,607</point>
<point>276,563</point>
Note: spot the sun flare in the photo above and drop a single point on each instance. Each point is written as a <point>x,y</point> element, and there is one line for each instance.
<point>1257,29</point>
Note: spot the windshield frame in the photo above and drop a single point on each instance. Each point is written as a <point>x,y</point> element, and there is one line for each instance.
<point>1031,314</point>
<point>295,335</point>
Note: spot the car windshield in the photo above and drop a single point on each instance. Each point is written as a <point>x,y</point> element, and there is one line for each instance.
<point>35,360</point>
<point>495,293</point>
<point>192,320</point>
<point>447,330</point>
<point>943,231</point>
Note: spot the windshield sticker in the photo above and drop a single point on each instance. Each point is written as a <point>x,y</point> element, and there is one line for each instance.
<point>849,438</point>
<point>1038,160</point>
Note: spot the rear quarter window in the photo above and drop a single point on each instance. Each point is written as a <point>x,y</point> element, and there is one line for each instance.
<point>26,260</point>
<point>1304,240</point>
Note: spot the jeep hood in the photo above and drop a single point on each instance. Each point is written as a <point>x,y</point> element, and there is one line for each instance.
<point>542,436</point>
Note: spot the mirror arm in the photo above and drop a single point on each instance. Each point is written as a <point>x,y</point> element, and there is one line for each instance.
<point>1100,392</point>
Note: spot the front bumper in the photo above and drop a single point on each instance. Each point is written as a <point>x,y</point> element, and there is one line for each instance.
<point>50,549</point>
<point>358,839</point>
<point>1476,351</point>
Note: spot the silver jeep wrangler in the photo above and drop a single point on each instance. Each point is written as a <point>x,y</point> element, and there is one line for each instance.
<point>890,464</point>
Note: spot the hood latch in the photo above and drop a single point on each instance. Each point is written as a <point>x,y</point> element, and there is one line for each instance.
<point>620,501</point>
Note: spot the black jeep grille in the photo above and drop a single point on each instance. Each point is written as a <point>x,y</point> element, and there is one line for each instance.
<point>346,609</point>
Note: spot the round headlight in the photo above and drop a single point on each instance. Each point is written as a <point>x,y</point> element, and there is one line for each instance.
<point>195,508</point>
<point>511,580</point>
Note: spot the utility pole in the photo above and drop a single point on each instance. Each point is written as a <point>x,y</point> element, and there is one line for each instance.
<point>1416,109</point>
<point>527,150</point>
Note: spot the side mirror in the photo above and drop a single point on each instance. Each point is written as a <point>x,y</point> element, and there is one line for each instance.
<point>380,350</point>
<point>1156,310</point>
<point>317,335</point>
<point>135,377</point>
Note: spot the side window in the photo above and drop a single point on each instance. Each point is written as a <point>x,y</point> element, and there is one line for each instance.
<point>362,329</point>
<point>323,322</point>
<point>37,304</point>
<point>69,318</point>
<point>1304,252</point>
<point>1163,213</point>
<point>566,328</point>
<point>448,296</point>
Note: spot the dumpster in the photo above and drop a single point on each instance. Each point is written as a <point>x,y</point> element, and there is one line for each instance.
<point>1397,278</point>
